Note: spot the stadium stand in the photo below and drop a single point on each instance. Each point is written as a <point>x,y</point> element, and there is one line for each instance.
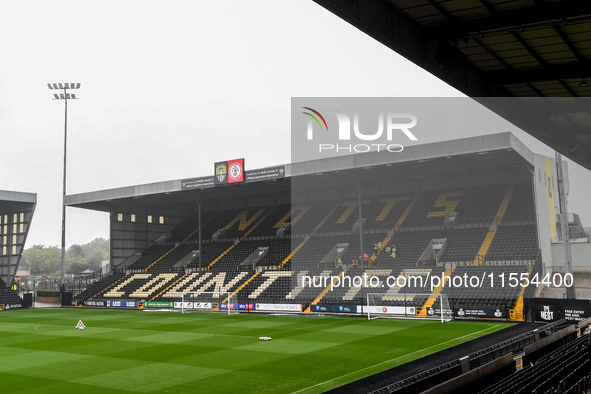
<point>558,363</point>
<point>272,222</point>
<point>487,294</point>
<point>521,206</point>
<point>211,251</point>
<point>99,286</point>
<point>8,296</point>
<point>514,243</point>
<point>150,256</point>
<point>404,234</point>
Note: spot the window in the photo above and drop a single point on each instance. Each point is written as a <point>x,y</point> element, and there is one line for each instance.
<point>161,220</point>
<point>133,217</point>
<point>119,217</point>
<point>149,218</point>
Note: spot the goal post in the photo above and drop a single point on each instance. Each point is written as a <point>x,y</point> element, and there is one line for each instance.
<point>209,301</point>
<point>408,306</point>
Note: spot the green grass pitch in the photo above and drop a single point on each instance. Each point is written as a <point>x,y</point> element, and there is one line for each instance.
<point>123,351</point>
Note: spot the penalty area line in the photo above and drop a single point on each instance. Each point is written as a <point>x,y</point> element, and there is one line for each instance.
<point>392,359</point>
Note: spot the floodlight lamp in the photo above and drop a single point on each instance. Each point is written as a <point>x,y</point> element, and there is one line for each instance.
<point>583,84</point>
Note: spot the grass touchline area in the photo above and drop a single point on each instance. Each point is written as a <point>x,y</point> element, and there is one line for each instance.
<point>126,351</point>
<point>398,358</point>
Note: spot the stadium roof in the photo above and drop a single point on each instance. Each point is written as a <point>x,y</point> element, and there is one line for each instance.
<point>474,155</point>
<point>16,213</point>
<point>496,48</point>
<point>9,198</point>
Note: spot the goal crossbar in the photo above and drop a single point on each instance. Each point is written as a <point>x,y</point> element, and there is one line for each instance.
<point>408,306</point>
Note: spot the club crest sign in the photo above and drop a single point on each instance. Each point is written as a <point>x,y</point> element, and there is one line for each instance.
<point>221,172</point>
<point>236,171</point>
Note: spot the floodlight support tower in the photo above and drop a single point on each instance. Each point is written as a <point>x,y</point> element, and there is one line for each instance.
<point>361,259</point>
<point>64,96</point>
<point>200,232</point>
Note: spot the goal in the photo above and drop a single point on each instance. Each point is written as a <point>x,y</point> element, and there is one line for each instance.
<point>408,306</point>
<point>209,301</point>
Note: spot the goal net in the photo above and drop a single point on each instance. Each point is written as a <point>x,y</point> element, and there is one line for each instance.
<point>209,301</point>
<point>408,306</point>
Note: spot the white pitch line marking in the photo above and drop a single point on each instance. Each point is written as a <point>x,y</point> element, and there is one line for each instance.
<point>393,359</point>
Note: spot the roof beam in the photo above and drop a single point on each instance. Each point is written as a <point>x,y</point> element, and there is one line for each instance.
<point>561,106</point>
<point>550,13</point>
<point>578,70</point>
<point>568,43</point>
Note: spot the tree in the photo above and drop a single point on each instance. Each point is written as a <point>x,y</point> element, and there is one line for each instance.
<point>76,250</point>
<point>47,260</point>
<point>93,261</point>
<point>97,243</point>
<point>43,260</point>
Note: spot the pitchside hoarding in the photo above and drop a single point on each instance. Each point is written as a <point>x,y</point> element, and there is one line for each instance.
<point>552,309</point>
<point>336,308</point>
<point>193,305</point>
<point>158,304</point>
<point>122,304</point>
<point>95,303</point>
<point>279,307</point>
<point>479,312</point>
<point>389,310</point>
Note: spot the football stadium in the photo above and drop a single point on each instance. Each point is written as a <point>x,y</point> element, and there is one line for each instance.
<point>315,276</point>
<point>434,267</point>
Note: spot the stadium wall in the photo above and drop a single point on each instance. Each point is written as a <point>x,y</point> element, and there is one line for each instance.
<point>580,255</point>
<point>547,203</point>
<point>131,233</point>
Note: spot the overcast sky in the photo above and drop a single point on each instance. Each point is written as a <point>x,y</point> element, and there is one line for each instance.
<point>168,88</point>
